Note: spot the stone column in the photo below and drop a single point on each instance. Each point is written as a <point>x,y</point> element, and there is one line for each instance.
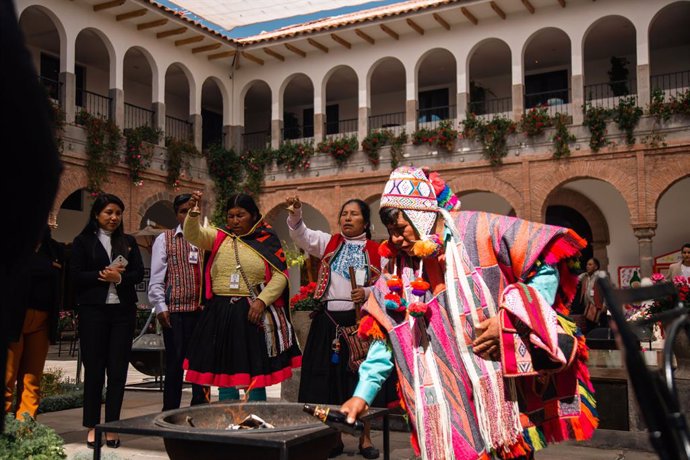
<point>644,237</point>
<point>578,98</point>
<point>363,123</point>
<point>197,122</point>
<point>643,91</point>
<point>411,115</point>
<point>234,137</point>
<point>117,106</point>
<point>319,132</point>
<point>67,95</point>
<point>461,101</point>
<point>518,101</point>
<point>159,120</point>
<point>276,133</point>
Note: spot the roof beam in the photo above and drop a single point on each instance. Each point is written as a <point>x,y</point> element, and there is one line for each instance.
<point>203,49</point>
<point>211,57</point>
<point>416,27</point>
<point>341,41</point>
<point>470,17</point>
<point>171,32</point>
<point>529,6</point>
<point>441,21</point>
<point>317,45</point>
<point>187,41</point>
<point>364,36</point>
<point>295,50</point>
<point>107,5</point>
<point>130,15</point>
<point>152,24</point>
<point>253,58</point>
<point>562,3</point>
<point>274,54</point>
<point>501,14</point>
<point>389,31</point>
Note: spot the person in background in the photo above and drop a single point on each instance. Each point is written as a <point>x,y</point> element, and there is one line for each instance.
<point>175,293</point>
<point>682,267</point>
<point>27,355</point>
<point>244,338</point>
<point>589,296</point>
<point>324,381</point>
<point>105,267</point>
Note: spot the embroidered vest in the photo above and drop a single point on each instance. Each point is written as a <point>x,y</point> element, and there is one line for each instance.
<point>371,254</point>
<point>182,279</point>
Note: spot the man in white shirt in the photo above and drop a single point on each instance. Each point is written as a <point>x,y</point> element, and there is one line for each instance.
<point>175,293</point>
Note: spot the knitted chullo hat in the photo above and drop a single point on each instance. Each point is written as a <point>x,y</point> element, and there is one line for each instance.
<point>408,188</point>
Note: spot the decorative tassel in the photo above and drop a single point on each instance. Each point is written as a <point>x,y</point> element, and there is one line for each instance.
<point>430,246</point>
<point>417,309</point>
<point>419,287</point>
<point>394,283</point>
<point>369,328</point>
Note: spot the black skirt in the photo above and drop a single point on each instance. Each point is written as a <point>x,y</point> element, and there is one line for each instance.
<point>324,382</point>
<point>226,350</point>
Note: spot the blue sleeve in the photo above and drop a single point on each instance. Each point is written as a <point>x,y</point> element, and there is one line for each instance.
<point>545,281</point>
<point>374,371</point>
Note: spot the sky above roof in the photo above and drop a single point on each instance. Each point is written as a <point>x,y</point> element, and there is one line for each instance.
<point>245,18</point>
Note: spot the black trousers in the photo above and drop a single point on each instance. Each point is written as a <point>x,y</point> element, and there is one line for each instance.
<point>176,340</point>
<point>105,335</point>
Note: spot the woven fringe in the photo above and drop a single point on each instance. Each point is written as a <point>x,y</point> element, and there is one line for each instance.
<point>535,438</point>
<point>519,450</point>
<point>567,245</point>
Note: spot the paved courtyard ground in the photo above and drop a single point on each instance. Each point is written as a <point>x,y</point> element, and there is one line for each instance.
<point>140,402</point>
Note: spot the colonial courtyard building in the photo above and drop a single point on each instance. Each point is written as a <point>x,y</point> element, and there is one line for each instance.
<point>423,68</point>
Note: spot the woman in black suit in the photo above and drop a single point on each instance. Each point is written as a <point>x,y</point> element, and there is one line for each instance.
<point>106,304</point>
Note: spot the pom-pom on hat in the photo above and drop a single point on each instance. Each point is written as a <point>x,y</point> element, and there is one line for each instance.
<point>408,188</point>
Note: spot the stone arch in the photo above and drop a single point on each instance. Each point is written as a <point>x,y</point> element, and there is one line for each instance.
<point>534,35</point>
<point>243,99</point>
<point>428,52</point>
<point>489,183</point>
<point>668,171</point>
<point>71,180</point>
<point>59,27</point>
<point>623,178</point>
<point>663,9</point>
<point>191,82</point>
<point>592,213</point>
<point>153,66</point>
<point>481,43</point>
<point>329,74</point>
<point>378,62</point>
<point>106,42</point>
<point>288,80</point>
<point>153,199</point>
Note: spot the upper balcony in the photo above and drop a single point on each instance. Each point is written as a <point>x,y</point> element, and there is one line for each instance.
<point>401,81</point>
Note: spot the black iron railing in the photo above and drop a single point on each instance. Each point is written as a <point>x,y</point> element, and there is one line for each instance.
<point>94,103</point>
<point>494,105</point>
<point>257,140</point>
<point>671,83</point>
<point>394,121</point>
<point>341,128</point>
<point>432,116</point>
<point>136,116</point>
<point>178,129</point>
<point>607,94</point>
<point>558,97</point>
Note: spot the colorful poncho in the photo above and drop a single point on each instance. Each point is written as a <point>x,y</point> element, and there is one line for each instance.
<point>465,407</point>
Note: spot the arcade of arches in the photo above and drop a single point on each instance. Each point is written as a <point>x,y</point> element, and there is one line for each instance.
<point>618,202</point>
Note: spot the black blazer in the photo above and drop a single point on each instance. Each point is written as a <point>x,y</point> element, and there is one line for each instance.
<point>89,257</point>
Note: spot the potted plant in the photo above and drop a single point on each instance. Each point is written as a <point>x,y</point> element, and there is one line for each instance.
<point>302,305</point>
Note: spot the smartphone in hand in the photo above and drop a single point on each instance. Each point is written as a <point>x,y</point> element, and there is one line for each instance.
<point>119,260</point>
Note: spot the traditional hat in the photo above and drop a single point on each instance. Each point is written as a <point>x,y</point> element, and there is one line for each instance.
<point>408,188</point>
